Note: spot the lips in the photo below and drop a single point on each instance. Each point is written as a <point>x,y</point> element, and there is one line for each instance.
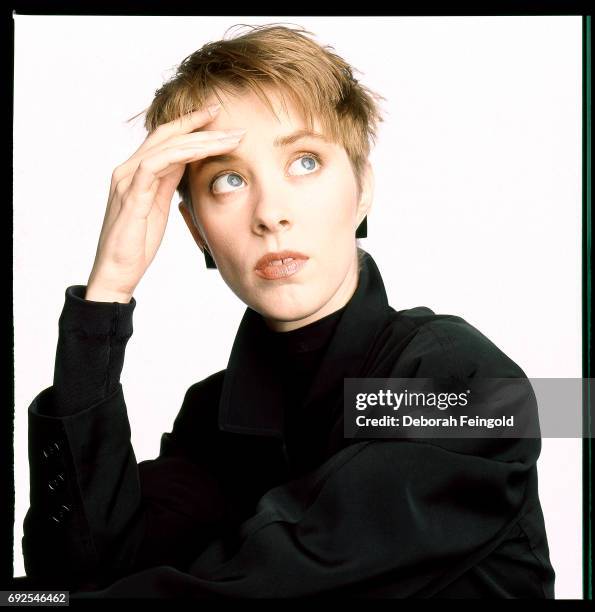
<point>279,258</point>
<point>281,264</point>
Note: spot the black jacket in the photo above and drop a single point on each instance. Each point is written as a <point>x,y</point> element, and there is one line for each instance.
<point>222,512</point>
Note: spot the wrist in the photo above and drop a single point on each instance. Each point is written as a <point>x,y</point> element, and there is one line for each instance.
<point>94,294</point>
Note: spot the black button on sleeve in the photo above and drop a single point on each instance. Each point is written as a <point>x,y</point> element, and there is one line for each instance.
<point>51,451</point>
<point>57,483</point>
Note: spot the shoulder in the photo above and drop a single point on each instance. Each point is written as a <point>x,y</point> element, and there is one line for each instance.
<point>445,345</point>
<point>197,419</point>
<point>418,343</point>
<point>201,401</point>
<point>204,390</point>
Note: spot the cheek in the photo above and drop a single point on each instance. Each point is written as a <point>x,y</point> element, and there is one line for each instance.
<point>222,229</point>
<point>227,247</point>
<point>334,201</point>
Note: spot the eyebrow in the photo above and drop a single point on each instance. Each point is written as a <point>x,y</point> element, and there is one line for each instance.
<point>279,142</point>
<point>283,141</point>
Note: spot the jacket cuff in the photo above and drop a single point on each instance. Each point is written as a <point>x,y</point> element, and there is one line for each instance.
<point>90,352</point>
<point>95,318</point>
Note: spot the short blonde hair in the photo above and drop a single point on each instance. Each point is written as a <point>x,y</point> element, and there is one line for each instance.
<point>319,82</point>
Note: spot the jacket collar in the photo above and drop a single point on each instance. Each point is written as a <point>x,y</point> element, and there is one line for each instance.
<point>250,401</point>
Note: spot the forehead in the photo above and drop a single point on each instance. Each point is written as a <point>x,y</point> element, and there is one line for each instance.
<point>245,109</point>
<point>278,128</point>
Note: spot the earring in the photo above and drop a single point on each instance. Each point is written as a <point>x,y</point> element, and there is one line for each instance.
<point>210,262</point>
<point>362,230</point>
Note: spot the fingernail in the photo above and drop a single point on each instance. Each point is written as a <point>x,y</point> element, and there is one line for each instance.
<point>213,108</point>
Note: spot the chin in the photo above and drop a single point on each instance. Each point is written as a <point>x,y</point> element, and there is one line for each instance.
<point>286,309</point>
<point>284,314</point>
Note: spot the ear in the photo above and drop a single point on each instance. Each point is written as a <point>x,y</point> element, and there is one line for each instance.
<point>190,223</point>
<point>367,193</point>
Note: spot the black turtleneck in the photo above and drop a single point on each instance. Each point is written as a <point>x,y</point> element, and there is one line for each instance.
<point>297,355</point>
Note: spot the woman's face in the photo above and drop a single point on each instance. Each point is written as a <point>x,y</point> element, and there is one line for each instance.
<point>267,197</point>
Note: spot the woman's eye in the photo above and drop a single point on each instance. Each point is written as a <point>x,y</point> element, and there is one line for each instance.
<point>228,182</point>
<point>305,163</point>
<point>225,182</point>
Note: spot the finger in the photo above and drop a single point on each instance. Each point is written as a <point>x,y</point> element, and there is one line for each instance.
<point>204,136</point>
<point>182,125</point>
<point>166,189</point>
<point>127,170</point>
<point>180,141</point>
<point>200,150</point>
<point>153,167</point>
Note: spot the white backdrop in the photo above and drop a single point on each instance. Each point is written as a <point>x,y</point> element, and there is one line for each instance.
<point>477,207</point>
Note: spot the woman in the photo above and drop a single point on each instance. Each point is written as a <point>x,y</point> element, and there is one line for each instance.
<point>256,491</point>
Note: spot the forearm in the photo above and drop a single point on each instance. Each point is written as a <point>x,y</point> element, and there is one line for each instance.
<point>90,351</point>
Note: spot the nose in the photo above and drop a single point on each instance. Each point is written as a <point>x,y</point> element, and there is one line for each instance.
<point>272,208</point>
